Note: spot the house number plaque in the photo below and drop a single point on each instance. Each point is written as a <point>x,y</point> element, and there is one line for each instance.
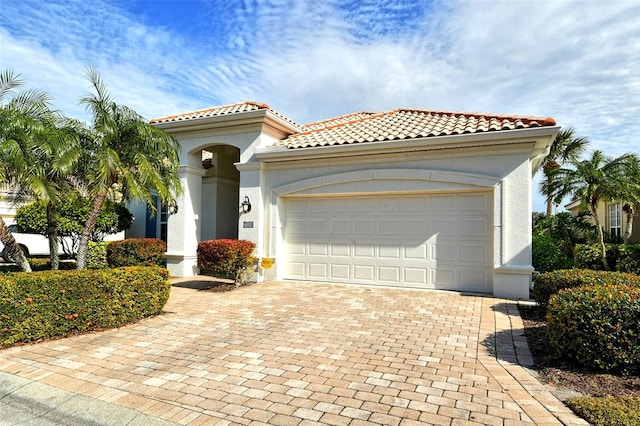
<point>247,224</point>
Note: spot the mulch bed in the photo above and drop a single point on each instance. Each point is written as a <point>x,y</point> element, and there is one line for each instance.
<point>566,375</point>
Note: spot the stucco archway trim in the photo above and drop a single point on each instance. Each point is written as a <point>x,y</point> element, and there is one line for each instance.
<point>404,177</point>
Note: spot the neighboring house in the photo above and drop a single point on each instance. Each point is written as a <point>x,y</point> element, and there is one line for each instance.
<point>613,219</point>
<point>408,198</point>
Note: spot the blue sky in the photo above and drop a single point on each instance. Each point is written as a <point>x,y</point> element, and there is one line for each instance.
<point>578,62</point>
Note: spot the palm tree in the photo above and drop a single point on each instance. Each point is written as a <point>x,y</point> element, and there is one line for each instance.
<point>631,197</point>
<point>19,119</point>
<point>594,180</point>
<point>42,165</point>
<point>125,157</point>
<point>565,147</point>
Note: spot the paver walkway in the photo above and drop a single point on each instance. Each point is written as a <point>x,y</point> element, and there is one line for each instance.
<point>289,353</point>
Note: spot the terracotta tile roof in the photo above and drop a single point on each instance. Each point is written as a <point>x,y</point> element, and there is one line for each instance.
<point>241,107</point>
<point>338,120</point>
<point>404,124</point>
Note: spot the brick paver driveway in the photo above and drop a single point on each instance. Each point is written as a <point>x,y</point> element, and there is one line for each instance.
<point>289,353</point>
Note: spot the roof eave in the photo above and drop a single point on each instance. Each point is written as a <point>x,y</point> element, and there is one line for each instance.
<point>541,136</point>
<point>261,116</point>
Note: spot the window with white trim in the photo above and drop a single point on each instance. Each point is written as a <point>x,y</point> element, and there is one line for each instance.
<point>615,220</point>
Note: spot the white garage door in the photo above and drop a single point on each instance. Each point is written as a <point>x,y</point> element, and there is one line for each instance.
<point>422,241</point>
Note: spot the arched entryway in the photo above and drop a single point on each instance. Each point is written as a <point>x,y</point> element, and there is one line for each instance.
<point>220,192</point>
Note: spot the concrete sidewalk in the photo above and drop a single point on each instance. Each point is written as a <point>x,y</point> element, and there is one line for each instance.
<point>290,353</point>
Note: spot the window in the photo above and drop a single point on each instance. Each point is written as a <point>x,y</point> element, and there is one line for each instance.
<point>615,220</point>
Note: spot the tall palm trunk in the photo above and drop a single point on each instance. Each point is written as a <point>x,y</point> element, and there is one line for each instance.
<point>89,225</point>
<point>628,230</point>
<point>603,248</point>
<point>12,247</point>
<point>52,233</point>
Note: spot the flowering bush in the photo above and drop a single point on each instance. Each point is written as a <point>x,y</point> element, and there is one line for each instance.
<point>226,258</point>
<point>598,326</point>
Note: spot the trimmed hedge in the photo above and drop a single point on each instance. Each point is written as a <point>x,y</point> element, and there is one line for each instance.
<point>629,259</point>
<point>608,411</point>
<point>97,255</point>
<point>549,283</point>
<point>226,258</point>
<point>136,252</point>
<point>597,326</point>
<point>49,304</point>
<point>547,254</point>
<point>39,264</point>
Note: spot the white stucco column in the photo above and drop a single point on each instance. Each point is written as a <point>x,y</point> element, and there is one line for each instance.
<point>512,235</point>
<point>183,227</point>
<point>251,225</point>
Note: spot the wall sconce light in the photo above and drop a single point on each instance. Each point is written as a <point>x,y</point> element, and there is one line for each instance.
<point>245,206</point>
<point>172,207</point>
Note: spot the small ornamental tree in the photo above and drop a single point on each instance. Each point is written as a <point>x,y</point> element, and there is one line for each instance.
<point>113,218</point>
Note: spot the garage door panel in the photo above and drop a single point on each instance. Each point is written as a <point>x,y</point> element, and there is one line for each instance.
<point>423,241</point>
<point>442,203</point>
<point>473,228</point>
<point>340,272</point>
<point>415,228</point>
<point>342,249</point>
<point>445,228</point>
<point>297,206</point>
<point>297,249</point>
<point>473,254</point>
<point>416,252</point>
<point>474,202</point>
<point>363,250</point>
<point>389,251</point>
<point>389,274</point>
<point>363,272</point>
<point>341,205</point>
<point>297,270</point>
<point>318,249</point>
<point>443,277</point>
<point>444,252</point>
<point>415,276</point>
<point>318,226</point>
<point>318,271</point>
<point>364,228</point>
<point>390,227</point>
<point>341,227</point>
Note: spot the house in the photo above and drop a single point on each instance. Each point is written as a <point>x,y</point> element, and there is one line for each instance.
<point>409,198</point>
<point>613,219</point>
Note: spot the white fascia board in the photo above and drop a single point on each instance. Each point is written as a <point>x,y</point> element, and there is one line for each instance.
<point>540,138</point>
<point>262,117</point>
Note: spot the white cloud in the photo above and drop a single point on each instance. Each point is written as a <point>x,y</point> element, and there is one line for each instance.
<point>576,61</point>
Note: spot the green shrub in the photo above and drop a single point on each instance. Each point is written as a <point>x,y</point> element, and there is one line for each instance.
<point>597,326</point>
<point>629,259</point>
<point>547,284</point>
<point>41,305</point>
<point>623,411</point>
<point>548,255</point>
<point>97,255</point>
<point>587,256</point>
<point>39,264</point>
<point>226,258</point>
<point>135,251</point>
